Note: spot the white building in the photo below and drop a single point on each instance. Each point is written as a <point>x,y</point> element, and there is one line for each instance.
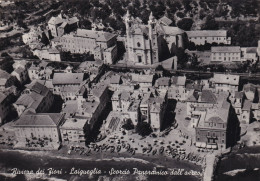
<point>226,54</point>
<point>201,37</point>
<point>226,82</point>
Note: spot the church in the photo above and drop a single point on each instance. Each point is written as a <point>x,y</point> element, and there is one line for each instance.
<point>151,43</point>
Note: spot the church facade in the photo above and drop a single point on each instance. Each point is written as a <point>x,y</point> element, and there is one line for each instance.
<point>148,44</point>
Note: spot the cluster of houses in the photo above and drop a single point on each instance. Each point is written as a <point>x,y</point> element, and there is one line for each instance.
<point>216,106</point>
<point>64,35</point>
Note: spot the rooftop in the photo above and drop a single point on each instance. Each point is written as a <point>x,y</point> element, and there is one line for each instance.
<point>98,35</point>
<point>208,96</point>
<point>74,123</point>
<point>207,33</point>
<point>39,119</point>
<point>68,78</point>
<point>226,79</point>
<point>229,49</point>
<point>165,20</point>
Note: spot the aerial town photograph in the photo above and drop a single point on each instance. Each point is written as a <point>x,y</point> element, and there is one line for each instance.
<point>129,90</point>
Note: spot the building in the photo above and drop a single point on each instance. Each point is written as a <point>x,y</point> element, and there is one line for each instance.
<point>201,37</point>
<point>36,98</point>
<point>177,89</point>
<point>226,82</point>
<point>38,131</point>
<point>21,63</point>
<point>250,91</point>
<point>212,131</point>
<point>67,84</point>
<point>21,74</point>
<point>101,44</point>
<point>6,80</point>
<point>62,24</point>
<point>249,54</point>
<point>144,43</point>
<point>72,131</point>
<point>200,100</point>
<point>226,54</point>
<point>93,68</point>
<point>52,54</point>
<point>152,109</point>
<point>144,81</point>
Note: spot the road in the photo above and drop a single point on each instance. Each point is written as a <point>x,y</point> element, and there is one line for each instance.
<point>118,67</point>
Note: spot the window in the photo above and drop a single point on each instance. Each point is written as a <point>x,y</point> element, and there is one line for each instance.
<point>138,44</point>
<point>139,59</point>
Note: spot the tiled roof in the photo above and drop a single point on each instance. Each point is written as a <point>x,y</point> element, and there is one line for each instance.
<point>207,33</point>
<point>40,119</point>
<point>179,80</point>
<point>70,106</point>
<point>226,79</point>
<point>98,35</point>
<point>239,95</point>
<point>192,96</point>
<point>55,20</point>
<point>165,20</point>
<point>37,87</point>
<point>249,87</point>
<point>251,50</point>
<point>99,90</point>
<point>218,115</point>
<point>125,95</point>
<point>74,123</point>
<point>170,30</point>
<point>208,96</point>
<point>229,49</point>
<point>67,78</point>
<point>142,78</point>
<point>163,81</point>
<point>247,105</point>
<point>115,79</point>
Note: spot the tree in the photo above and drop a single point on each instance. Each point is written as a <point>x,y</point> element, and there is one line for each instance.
<point>128,125</point>
<point>143,129</point>
<point>210,24</point>
<point>7,64</point>
<point>185,24</point>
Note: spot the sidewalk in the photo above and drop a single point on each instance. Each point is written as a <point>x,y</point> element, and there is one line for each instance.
<point>208,173</point>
